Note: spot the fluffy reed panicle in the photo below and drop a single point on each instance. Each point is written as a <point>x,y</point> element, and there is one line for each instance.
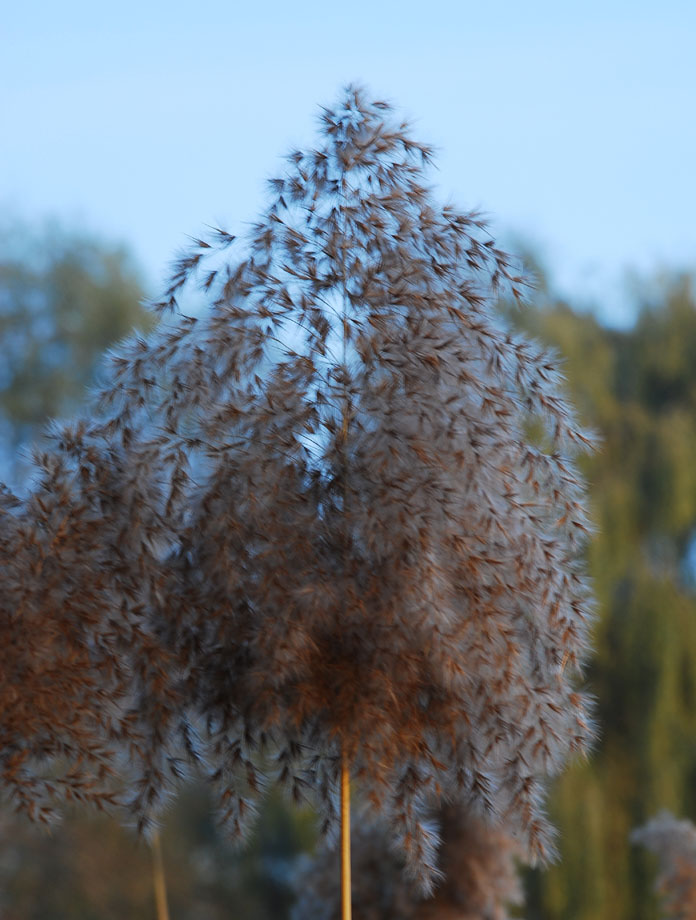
<point>338,514</point>
<point>480,878</point>
<point>78,659</point>
<point>674,843</point>
<point>57,670</point>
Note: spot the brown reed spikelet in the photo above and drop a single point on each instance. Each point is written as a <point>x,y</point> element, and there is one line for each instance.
<point>326,525</point>
<point>81,671</point>
<point>56,669</point>
<point>674,843</point>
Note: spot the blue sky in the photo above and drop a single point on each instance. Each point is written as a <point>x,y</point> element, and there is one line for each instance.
<point>572,125</point>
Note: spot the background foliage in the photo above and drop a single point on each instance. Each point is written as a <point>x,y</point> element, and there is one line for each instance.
<point>64,298</point>
<point>637,388</point>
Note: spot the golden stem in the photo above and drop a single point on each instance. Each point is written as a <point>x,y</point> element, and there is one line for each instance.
<point>158,878</point>
<point>346,903</point>
<point>346,910</point>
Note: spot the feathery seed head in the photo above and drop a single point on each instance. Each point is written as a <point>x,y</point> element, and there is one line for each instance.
<point>327,524</point>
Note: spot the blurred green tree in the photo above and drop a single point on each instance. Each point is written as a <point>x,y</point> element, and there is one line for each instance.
<point>637,387</point>
<point>64,298</point>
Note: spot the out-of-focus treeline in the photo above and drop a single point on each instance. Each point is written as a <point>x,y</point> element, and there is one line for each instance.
<point>64,299</point>
<point>637,388</point>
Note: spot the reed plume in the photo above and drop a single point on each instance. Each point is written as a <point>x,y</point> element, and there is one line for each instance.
<point>335,516</point>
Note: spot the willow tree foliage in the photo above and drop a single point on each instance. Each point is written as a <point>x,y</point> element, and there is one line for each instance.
<point>637,387</point>
<point>64,298</point>
<point>354,514</point>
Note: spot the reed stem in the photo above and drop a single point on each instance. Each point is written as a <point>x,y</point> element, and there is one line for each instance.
<point>158,878</point>
<point>346,909</point>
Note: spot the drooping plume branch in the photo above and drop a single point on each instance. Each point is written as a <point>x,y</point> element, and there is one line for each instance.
<point>480,878</point>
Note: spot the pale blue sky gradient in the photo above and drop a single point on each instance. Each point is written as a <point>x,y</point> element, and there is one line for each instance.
<point>570,124</point>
